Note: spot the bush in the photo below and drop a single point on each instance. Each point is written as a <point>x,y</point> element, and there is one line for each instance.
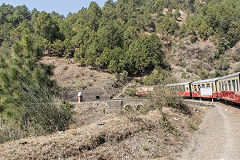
<point>189,70</point>
<point>41,114</point>
<point>131,92</point>
<point>162,97</point>
<point>222,64</point>
<point>203,74</point>
<point>156,77</point>
<point>193,39</point>
<point>184,74</point>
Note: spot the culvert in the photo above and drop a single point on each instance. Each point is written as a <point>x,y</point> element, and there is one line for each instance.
<point>128,107</point>
<point>138,107</point>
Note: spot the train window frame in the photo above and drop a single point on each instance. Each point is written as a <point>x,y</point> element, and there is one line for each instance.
<point>212,87</point>
<point>203,85</point>
<point>199,87</point>
<point>226,86</point>
<point>223,86</point>
<point>234,85</point>
<point>237,82</point>
<point>208,85</point>
<point>195,87</point>
<point>229,85</point>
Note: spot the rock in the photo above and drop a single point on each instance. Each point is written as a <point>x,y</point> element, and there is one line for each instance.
<point>100,123</point>
<point>22,143</point>
<point>176,119</point>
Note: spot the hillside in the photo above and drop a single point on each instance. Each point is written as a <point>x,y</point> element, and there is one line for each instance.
<point>125,135</point>
<point>46,59</point>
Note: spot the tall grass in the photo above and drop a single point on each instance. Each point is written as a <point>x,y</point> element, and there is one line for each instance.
<point>42,113</point>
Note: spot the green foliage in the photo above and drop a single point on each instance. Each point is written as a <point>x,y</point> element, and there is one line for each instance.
<point>145,54</point>
<point>113,38</point>
<point>131,92</point>
<point>217,19</point>
<point>222,64</point>
<point>156,77</point>
<point>203,74</point>
<point>192,126</point>
<point>193,39</point>
<point>162,97</point>
<point>167,25</point>
<point>28,103</point>
<point>46,27</point>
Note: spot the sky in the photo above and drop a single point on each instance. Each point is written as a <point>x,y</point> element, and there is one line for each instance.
<point>60,6</point>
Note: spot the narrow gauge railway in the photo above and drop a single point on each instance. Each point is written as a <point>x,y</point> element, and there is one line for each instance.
<point>225,88</point>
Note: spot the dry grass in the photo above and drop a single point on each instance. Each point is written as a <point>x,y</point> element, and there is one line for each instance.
<point>74,77</point>
<point>197,56</point>
<point>125,136</point>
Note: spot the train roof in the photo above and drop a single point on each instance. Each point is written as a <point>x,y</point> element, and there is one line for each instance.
<point>206,80</point>
<point>230,75</point>
<point>178,84</point>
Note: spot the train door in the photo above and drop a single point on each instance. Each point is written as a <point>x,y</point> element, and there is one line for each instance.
<point>216,89</point>
<point>190,90</point>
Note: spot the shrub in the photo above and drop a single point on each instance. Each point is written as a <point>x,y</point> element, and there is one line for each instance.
<point>189,70</point>
<point>131,92</point>
<point>203,74</point>
<point>156,77</point>
<point>162,97</point>
<point>184,74</point>
<point>222,64</point>
<point>193,39</point>
<point>41,114</point>
<point>192,126</point>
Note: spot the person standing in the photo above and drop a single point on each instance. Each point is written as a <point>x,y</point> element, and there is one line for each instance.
<point>80,97</point>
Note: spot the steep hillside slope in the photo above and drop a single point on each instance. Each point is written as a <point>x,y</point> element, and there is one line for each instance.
<point>121,136</point>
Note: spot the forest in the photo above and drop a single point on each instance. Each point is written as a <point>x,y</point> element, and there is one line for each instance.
<point>120,36</point>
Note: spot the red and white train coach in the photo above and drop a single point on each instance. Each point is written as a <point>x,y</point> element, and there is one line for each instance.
<point>228,88</point>
<point>183,89</point>
<point>208,83</point>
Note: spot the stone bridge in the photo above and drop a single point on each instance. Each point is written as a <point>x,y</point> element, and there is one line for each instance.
<point>126,103</point>
<point>119,104</point>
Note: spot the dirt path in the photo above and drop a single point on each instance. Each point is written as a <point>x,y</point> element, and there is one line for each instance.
<point>218,136</point>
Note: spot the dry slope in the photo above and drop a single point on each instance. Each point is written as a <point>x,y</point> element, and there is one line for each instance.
<point>123,136</point>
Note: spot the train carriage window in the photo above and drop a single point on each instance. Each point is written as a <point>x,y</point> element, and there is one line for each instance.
<point>212,87</point>
<point>220,86</point>
<point>195,88</point>
<point>229,85</point>
<point>186,88</point>
<point>199,87</point>
<point>203,85</point>
<point>225,86</point>
<point>234,85</point>
<point>237,86</point>
<point>208,85</point>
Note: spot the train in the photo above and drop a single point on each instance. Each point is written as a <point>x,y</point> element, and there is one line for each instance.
<point>224,88</point>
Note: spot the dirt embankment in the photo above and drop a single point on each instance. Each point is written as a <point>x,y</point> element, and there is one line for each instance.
<point>76,78</point>
<point>125,135</point>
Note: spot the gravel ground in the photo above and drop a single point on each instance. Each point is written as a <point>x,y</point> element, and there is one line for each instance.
<point>218,136</point>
